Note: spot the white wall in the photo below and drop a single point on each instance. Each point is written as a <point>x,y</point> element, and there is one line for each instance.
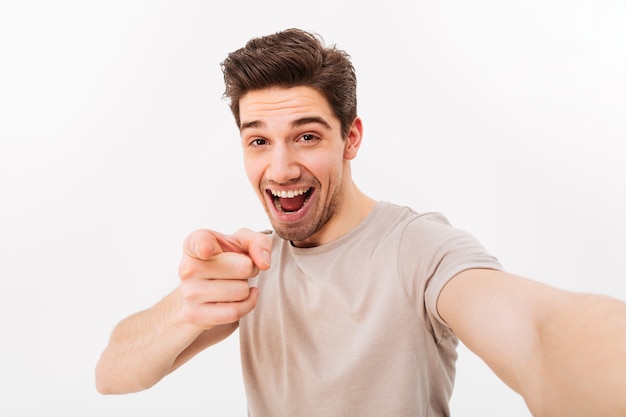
<point>115,143</point>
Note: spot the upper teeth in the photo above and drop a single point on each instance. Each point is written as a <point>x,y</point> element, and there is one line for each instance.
<point>289,194</point>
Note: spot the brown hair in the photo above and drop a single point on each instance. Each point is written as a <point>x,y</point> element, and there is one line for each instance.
<point>292,58</point>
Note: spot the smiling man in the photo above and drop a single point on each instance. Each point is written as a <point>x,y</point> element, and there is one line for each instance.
<point>355,306</point>
<point>299,162</point>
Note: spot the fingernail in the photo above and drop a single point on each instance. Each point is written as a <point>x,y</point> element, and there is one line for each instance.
<point>265,255</point>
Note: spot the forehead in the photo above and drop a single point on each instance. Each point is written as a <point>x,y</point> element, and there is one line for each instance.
<point>283,103</point>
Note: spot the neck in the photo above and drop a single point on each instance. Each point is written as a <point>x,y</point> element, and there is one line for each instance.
<point>356,207</point>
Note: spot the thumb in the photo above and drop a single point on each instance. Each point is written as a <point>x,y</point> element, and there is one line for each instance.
<point>257,245</point>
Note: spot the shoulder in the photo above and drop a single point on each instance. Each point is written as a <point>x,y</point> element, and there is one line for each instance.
<point>391,216</point>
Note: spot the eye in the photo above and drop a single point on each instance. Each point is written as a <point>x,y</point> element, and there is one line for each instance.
<point>309,137</point>
<point>258,142</point>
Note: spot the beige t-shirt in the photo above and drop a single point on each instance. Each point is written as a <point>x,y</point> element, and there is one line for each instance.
<point>351,328</point>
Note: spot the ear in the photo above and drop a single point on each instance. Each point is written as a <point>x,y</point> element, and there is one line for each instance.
<point>353,141</point>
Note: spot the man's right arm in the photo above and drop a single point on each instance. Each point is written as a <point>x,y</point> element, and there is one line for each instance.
<point>150,344</point>
<point>205,309</point>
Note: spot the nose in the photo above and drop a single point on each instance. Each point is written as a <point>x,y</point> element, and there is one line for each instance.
<point>283,165</point>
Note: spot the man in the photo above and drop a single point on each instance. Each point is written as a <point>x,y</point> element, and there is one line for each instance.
<point>353,306</point>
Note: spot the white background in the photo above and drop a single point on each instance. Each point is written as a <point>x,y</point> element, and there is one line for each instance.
<point>508,117</point>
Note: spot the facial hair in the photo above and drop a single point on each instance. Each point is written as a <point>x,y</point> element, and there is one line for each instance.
<point>322,214</point>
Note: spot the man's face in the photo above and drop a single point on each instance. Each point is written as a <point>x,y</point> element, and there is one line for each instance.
<point>295,159</point>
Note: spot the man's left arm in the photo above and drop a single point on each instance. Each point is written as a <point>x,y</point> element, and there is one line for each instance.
<point>564,352</point>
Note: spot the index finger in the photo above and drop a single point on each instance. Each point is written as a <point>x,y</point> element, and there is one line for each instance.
<point>203,244</point>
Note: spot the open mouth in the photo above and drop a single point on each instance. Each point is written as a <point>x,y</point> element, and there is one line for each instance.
<point>290,201</point>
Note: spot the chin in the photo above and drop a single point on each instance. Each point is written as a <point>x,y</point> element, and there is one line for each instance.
<point>293,233</point>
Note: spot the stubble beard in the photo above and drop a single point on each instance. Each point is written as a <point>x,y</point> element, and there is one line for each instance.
<point>302,231</point>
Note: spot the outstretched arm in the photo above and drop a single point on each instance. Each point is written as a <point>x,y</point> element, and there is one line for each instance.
<point>150,344</point>
<point>213,295</point>
<point>564,352</point>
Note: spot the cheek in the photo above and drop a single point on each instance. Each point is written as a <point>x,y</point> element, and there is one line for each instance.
<point>252,172</point>
<point>327,171</point>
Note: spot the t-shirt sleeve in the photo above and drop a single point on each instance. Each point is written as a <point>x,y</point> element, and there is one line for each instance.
<point>431,253</point>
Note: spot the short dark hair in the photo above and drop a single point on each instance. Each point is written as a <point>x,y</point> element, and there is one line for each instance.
<point>292,58</point>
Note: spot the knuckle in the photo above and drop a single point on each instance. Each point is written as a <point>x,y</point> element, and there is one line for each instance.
<point>190,314</point>
<point>199,315</point>
<point>208,315</point>
<point>242,231</point>
<point>230,315</point>
<point>245,267</point>
<point>240,290</point>
<point>185,271</point>
<point>189,296</point>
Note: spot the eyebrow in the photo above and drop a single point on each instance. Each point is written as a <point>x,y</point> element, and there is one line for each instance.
<point>294,123</point>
